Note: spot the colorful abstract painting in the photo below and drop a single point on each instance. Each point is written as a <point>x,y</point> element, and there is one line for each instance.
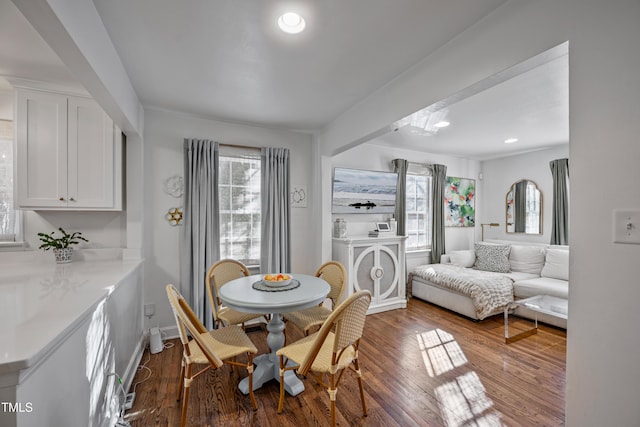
<point>459,202</point>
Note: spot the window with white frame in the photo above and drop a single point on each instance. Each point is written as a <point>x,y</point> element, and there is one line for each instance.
<point>239,198</point>
<point>419,211</point>
<point>9,220</point>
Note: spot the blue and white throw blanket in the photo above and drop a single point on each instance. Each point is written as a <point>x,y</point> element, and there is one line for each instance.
<point>490,292</point>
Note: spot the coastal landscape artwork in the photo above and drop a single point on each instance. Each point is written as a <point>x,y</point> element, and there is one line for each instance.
<point>363,191</point>
<point>459,202</point>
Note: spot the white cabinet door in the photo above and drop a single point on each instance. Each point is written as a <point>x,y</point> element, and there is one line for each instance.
<point>375,265</point>
<point>91,155</point>
<point>68,155</point>
<point>41,149</point>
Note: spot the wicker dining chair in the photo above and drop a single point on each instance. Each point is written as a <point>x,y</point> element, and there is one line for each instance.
<point>210,348</point>
<point>218,275</point>
<point>331,350</point>
<point>334,273</point>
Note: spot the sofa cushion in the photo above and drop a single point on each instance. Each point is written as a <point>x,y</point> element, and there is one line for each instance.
<point>541,286</point>
<point>527,259</point>
<point>518,275</point>
<point>463,258</point>
<point>556,264</point>
<point>492,257</point>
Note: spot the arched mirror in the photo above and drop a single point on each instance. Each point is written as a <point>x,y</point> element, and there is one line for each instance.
<point>524,208</point>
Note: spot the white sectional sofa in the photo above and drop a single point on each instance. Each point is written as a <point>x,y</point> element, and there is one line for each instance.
<point>534,269</point>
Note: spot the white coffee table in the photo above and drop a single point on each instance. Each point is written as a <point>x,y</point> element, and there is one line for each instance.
<point>547,304</point>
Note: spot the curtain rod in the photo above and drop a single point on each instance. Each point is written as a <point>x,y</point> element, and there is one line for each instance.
<point>239,146</point>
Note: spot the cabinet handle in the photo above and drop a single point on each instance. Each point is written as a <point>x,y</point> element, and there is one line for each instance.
<point>61,199</point>
<point>72,199</point>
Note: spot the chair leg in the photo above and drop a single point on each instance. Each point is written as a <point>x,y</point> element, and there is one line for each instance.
<point>250,371</point>
<point>332,396</point>
<point>281,401</point>
<point>234,368</point>
<point>181,381</point>
<point>185,398</point>
<point>359,375</point>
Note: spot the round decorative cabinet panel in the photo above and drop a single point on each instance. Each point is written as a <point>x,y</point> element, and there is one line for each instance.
<point>377,265</point>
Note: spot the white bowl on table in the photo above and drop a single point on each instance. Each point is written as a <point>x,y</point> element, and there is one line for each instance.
<point>276,280</point>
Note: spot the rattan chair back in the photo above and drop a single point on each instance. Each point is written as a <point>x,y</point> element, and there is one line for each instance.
<point>187,321</point>
<point>347,323</point>
<point>220,273</point>
<point>334,273</point>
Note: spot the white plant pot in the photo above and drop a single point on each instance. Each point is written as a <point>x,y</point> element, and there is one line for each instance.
<point>63,255</point>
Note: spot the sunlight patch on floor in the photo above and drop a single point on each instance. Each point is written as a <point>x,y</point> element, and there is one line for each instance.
<point>462,401</point>
<point>440,352</point>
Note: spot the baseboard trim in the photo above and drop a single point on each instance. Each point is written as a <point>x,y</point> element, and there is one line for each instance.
<point>132,368</point>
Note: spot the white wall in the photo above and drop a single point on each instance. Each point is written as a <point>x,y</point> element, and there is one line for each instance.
<point>102,229</point>
<point>500,174</point>
<point>164,135</point>
<point>6,104</point>
<point>603,349</point>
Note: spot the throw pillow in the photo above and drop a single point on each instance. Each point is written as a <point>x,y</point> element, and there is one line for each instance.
<point>491,257</point>
<point>526,259</point>
<point>463,258</point>
<point>556,264</point>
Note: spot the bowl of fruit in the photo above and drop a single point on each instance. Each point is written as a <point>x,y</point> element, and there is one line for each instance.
<point>276,280</point>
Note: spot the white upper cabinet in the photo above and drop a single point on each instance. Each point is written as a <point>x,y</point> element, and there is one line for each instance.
<point>68,153</point>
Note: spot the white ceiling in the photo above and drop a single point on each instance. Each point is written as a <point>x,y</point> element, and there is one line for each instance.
<point>529,102</point>
<point>227,60</point>
<point>24,54</point>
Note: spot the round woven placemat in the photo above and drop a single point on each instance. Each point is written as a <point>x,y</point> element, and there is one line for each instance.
<point>260,286</point>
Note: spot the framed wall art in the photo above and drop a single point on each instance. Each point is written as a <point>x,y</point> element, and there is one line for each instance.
<point>459,202</point>
<point>364,191</point>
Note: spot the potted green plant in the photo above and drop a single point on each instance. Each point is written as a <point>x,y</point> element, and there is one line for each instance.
<point>61,245</point>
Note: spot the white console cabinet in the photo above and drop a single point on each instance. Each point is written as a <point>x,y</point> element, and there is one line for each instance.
<point>69,154</point>
<point>376,264</point>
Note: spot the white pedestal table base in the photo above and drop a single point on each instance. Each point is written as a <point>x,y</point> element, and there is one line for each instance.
<point>268,365</point>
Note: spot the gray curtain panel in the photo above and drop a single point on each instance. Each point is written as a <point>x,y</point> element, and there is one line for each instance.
<point>400,167</point>
<point>520,202</point>
<point>437,231</point>
<point>275,242</point>
<point>560,212</point>
<point>201,231</point>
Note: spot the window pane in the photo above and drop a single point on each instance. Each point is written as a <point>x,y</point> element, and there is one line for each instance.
<point>7,213</point>
<point>240,209</point>
<point>224,173</point>
<point>418,208</point>
<point>224,195</point>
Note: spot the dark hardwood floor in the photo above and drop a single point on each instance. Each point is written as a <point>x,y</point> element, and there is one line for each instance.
<point>423,366</point>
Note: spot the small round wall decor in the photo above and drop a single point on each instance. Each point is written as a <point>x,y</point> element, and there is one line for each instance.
<point>174,186</point>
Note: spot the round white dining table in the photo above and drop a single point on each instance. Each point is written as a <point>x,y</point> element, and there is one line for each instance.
<point>240,294</point>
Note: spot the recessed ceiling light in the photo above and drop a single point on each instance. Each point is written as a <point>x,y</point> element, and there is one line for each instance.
<point>510,140</point>
<point>291,23</point>
<point>442,124</point>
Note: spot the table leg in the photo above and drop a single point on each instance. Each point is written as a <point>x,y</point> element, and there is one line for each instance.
<point>509,339</point>
<point>268,365</point>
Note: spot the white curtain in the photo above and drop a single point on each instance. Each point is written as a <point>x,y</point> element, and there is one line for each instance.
<point>275,242</point>
<point>201,231</point>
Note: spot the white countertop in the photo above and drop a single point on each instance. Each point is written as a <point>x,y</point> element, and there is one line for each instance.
<point>41,301</point>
